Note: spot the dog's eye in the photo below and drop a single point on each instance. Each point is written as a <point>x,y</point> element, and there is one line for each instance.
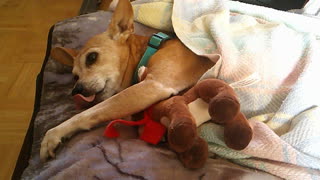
<point>91,58</point>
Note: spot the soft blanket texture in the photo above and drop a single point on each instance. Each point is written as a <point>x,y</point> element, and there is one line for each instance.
<point>90,155</point>
<point>312,8</point>
<point>280,51</point>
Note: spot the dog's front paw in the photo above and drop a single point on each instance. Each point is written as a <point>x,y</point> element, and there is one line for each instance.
<point>49,143</point>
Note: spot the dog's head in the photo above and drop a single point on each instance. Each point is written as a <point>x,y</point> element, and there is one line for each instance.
<point>99,66</point>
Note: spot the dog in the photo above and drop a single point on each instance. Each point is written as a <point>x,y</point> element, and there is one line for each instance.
<point>108,4</point>
<point>104,68</point>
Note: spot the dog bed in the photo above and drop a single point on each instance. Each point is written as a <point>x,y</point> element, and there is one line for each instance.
<point>90,155</point>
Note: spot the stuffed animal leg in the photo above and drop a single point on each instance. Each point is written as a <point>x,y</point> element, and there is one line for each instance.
<point>181,131</point>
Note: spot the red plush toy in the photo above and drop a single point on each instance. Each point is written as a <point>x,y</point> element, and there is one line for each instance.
<point>152,132</point>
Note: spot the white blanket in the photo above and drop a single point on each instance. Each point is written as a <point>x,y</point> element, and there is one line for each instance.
<point>281,51</point>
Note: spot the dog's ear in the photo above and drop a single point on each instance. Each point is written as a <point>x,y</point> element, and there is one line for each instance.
<point>121,25</point>
<point>64,55</point>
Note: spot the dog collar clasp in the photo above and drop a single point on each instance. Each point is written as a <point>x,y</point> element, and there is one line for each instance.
<point>154,43</point>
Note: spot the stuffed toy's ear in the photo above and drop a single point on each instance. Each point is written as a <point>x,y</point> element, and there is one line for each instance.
<point>121,25</point>
<point>64,55</point>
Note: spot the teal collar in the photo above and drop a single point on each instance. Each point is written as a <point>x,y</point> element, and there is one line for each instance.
<point>153,45</point>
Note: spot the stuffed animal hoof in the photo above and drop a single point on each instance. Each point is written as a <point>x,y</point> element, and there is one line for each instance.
<point>196,156</point>
<point>181,134</point>
<point>223,108</point>
<point>238,133</point>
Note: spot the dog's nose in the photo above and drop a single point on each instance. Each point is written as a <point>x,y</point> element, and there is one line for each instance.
<point>77,90</point>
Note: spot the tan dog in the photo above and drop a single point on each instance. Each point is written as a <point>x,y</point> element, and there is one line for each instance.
<point>105,66</point>
<point>108,4</point>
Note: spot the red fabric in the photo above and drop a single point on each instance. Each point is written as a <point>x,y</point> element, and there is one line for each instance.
<point>152,133</point>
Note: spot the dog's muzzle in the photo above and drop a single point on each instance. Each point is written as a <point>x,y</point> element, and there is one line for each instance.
<point>78,89</point>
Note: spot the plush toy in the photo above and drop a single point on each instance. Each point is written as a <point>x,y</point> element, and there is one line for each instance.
<point>150,132</point>
<point>223,108</point>
<point>178,115</point>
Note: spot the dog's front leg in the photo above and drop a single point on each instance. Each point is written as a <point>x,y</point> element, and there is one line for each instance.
<point>127,102</point>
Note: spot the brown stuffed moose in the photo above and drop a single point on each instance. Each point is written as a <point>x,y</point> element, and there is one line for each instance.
<point>223,108</point>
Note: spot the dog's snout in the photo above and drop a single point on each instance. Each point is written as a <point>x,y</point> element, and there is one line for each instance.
<point>78,89</point>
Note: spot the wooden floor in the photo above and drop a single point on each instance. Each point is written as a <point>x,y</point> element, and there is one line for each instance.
<point>24,25</point>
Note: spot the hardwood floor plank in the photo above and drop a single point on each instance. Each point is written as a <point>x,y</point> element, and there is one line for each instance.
<point>8,74</point>
<point>8,155</point>
<point>23,87</point>
<point>24,25</point>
